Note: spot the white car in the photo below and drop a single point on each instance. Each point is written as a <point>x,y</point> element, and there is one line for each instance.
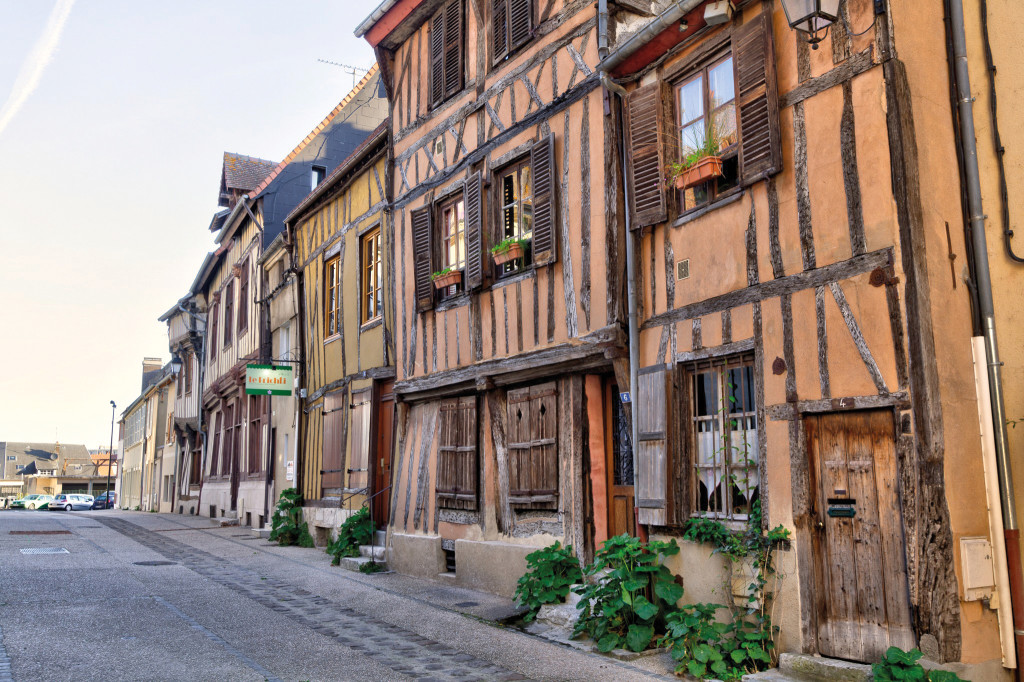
<point>69,502</point>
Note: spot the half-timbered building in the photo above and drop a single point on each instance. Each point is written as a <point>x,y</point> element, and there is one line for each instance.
<point>340,241</point>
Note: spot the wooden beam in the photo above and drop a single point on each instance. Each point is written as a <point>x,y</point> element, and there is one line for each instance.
<point>848,70</point>
<point>788,411</point>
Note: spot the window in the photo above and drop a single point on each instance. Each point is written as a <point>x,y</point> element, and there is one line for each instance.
<point>229,312</point>
<point>186,370</point>
<point>510,27</point>
<point>332,296</point>
<point>218,432</point>
<point>358,467</point>
<point>446,52</point>
<point>723,437</point>
<point>515,209</point>
<point>706,106</point>
<point>533,447</point>
<point>372,275</point>
<point>317,176</point>
<point>243,297</point>
<point>215,316</point>
<point>452,239</point>
<point>195,470</point>
<point>457,456</point>
<point>257,407</point>
<point>232,437</point>
<point>335,408</point>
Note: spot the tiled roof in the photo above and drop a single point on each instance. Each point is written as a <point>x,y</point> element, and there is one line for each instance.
<point>316,131</point>
<point>245,172</point>
<point>46,456</point>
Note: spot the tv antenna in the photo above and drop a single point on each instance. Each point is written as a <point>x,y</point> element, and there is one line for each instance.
<point>354,70</point>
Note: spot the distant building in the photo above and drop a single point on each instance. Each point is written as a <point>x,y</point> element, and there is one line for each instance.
<point>50,469</point>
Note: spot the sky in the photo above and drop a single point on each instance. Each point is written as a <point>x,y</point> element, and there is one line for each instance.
<point>114,117</point>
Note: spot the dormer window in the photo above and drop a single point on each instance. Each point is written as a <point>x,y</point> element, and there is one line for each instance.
<point>317,176</point>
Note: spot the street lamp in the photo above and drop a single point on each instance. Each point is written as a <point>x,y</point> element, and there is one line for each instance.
<point>110,452</point>
<point>811,17</point>
<point>175,364</point>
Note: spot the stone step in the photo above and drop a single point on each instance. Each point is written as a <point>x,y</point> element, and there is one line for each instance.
<point>353,563</point>
<point>226,521</point>
<point>380,537</point>
<point>772,675</point>
<point>375,551</point>
<point>806,667</point>
<point>262,533</point>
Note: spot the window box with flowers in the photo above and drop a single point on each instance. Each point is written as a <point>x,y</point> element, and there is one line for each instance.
<point>701,162</point>
<point>509,250</point>
<point>446,278</point>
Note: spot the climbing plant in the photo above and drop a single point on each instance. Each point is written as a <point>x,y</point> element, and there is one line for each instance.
<point>550,572</point>
<point>287,527</point>
<point>627,593</point>
<point>356,530</point>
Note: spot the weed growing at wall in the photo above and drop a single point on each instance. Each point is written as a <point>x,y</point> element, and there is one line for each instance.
<point>288,528</point>
<point>550,572</point>
<point>899,665</point>
<point>357,530</point>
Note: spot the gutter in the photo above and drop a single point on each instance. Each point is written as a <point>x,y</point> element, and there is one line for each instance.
<point>986,310</point>
<point>643,36</point>
<point>375,16</point>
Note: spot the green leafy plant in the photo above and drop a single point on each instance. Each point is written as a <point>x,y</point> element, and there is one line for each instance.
<point>711,145</point>
<point>441,273</point>
<point>371,567</point>
<point>356,530</point>
<point>628,593</point>
<point>287,527</point>
<point>506,244</point>
<point>550,572</point>
<point>898,665</point>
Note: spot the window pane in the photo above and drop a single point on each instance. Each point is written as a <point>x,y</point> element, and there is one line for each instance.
<point>725,125</point>
<point>691,100</point>
<point>692,137</point>
<point>720,84</point>
<point>705,388</point>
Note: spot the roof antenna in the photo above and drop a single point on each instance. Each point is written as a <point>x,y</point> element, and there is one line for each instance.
<point>354,70</point>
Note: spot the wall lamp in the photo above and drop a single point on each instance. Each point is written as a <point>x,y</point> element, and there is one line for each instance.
<point>811,17</point>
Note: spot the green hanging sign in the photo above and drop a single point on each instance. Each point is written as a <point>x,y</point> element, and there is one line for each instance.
<point>268,380</point>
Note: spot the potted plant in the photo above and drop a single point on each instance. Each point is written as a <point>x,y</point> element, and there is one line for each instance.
<point>507,250</point>
<point>700,163</point>
<point>446,278</point>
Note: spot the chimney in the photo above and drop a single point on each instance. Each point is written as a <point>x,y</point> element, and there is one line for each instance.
<point>150,368</point>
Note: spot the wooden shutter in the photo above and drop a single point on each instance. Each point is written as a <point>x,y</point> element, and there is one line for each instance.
<point>333,448</point>
<point>519,24</point>
<point>652,451</point>
<point>474,232</point>
<point>533,447</point>
<point>456,485</point>
<point>756,88</point>
<point>499,29</point>
<point>452,47</point>
<point>421,258</point>
<point>437,58</point>
<point>645,126</point>
<point>360,421</point>
<point>545,204</point>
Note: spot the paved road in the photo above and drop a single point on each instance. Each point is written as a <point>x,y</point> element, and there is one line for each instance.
<point>135,596</point>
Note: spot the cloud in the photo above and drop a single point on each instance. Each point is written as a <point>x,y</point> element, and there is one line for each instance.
<point>32,70</point>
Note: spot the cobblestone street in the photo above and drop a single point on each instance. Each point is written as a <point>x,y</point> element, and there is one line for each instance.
<point>133,596</point>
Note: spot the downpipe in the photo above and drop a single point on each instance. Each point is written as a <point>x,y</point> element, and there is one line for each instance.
<point>986,309</point>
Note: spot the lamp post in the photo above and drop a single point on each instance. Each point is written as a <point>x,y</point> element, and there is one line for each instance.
<point>110,452</point>
<point>811,17</point>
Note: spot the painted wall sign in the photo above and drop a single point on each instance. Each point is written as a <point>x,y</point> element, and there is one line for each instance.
<point>268,380</point>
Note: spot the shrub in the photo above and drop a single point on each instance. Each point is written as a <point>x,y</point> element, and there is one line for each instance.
<point>628,593</point>
<point>900,665</point>
<point>550,572</point>
<point>357,530</point>
<point>288,528</point>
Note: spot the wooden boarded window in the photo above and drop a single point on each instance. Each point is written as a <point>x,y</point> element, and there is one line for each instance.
<point>646,140</point>
<point>652,447</point>
<point>544,245</point>
<point>332,296</point>
<point>243,297</point>
<point>334,447</point>
<point>473,195</point>
<point>420,220</point>
<point>757,92</point>
<point>456,486</point>
<point>229,313</point>
<point>446,38</point>
<point>533,447</point>
<point>360,420</point>
<point>722,437</point>
<point>511,26</point>
<point>257,407</point>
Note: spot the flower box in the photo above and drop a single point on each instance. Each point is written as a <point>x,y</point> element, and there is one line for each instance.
<point>448,279</point>
<point>707,168</point>
<point>510,254</point>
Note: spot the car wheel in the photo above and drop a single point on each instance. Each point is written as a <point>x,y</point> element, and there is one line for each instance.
<point>67,507</point>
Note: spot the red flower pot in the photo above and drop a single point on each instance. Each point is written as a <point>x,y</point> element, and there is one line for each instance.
<point>707,168</point>
<point>445,281</point>
<point>510,254</point>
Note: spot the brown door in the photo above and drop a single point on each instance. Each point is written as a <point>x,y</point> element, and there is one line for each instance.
<point>621,518</point>
<point>862,598</point>
<point>384,411</point>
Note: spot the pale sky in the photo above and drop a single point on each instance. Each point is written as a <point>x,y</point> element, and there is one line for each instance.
<point>109,172</point>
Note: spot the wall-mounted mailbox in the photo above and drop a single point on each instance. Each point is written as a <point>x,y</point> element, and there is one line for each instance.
<point>841,507</point>
<point>976,562</point>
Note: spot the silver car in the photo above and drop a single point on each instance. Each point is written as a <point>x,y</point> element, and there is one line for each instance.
<point>69,502</point>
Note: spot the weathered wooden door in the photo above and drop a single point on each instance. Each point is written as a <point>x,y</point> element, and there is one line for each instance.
<point>384,414</point>
<point>862,597</point>
<point>621,518</point>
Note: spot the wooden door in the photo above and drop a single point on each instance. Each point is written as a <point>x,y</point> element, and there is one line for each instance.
<point>384,415</point>
<point>619,451</point>
<point>862,597</point>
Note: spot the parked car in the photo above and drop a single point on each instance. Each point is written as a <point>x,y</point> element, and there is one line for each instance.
<point>34,501</point>
<point>69,502</point>
<point>105,500</point>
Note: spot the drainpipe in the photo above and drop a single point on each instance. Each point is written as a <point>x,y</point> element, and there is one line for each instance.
<point>986,309</point>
